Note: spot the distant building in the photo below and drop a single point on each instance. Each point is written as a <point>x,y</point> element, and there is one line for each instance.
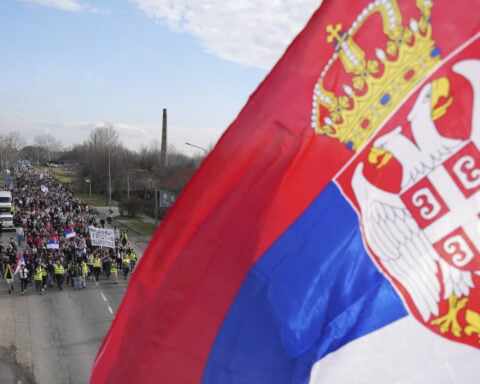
<point>166,198</point>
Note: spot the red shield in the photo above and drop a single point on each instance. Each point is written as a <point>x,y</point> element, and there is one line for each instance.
<point>424,204</point>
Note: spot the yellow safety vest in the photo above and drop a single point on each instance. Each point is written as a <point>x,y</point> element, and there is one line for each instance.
<point>97,262</point>
<point>84,268</point>
<point>133,256</point>
<point>113,268</point>
<point>38,274</point>
<point>126,261</point>
<point>59,269</point>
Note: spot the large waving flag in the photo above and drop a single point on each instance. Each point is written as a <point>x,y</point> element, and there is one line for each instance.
<point>332,235</point>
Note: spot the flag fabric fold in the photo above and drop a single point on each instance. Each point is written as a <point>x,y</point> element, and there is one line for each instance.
<point>322,229</point>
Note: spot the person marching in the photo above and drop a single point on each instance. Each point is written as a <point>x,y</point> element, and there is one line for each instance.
<point>50,273</point>
<point>38,279</point>
<point>76,275</point>
<point>113,273</point>
<point>133,259</point>
<point>59,272</point>
<point>90,265</point>
<point>70,272</point>
<point>8,275</point>
<point>44,277</point>
<point>97,267</point>
<point>126,266</point>
<point>85,271</point>
<point>23,274</point>
<point>124,237</point>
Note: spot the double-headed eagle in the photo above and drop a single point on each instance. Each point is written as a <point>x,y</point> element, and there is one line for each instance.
<point>402,248</point>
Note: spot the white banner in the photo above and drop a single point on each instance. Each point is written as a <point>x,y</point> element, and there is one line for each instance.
<point>102,237</point>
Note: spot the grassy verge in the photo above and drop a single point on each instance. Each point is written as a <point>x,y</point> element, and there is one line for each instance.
<point>137,225</point>
<point>95,200</point>
<point>68,177</point>
<point>62,176</point>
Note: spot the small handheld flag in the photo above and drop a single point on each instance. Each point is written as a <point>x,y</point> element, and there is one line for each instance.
<point>69,232</point>
<point>20,261</point>
<point>53,243</point>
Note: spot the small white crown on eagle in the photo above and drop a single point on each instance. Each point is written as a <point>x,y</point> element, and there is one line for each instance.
<point>376,86</point>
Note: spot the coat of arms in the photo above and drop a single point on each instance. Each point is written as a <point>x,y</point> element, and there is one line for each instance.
<point>415,185</point>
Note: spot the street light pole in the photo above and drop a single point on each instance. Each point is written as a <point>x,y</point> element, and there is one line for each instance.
<point>196,146</point>
<point>89,181</point>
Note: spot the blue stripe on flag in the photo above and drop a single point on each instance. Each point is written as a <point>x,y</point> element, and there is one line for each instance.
<point>312,292</point>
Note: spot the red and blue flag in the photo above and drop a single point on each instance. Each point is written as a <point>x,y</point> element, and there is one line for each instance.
<point>20,261</point>
<point>332,234</point>
<point>53,242</point>
<point>69,232</point>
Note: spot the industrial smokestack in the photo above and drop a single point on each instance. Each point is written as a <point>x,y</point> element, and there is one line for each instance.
<point>163,151</point>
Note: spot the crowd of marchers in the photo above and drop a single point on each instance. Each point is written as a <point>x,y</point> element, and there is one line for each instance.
<point>51,247</point>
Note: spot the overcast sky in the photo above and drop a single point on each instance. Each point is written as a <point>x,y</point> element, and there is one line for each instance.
<point>68,66</point>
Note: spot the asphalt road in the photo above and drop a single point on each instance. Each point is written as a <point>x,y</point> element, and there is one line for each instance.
<point>54,338</point>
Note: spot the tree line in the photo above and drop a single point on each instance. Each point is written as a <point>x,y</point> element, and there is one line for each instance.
<point>102,161</point>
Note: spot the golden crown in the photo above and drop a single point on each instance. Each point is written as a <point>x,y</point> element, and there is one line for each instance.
<point>374,87</point>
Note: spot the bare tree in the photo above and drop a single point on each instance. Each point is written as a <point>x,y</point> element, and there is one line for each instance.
<point>150,156</point>
<point>15,140</point>
<point>104,137</point>
<point>9,147</point>
<point>48,144</point>
<point>177,159</point>
<point>104,154</point>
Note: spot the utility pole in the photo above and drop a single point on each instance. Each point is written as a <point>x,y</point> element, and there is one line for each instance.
<point>156,208</point>
<point>128,185</point>
<point>109,185</point>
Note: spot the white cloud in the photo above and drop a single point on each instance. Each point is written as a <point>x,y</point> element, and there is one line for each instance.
<point>249,32</point>
<point>64,5</point>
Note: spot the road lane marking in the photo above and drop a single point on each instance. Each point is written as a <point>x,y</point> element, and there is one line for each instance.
<point>105,300</point>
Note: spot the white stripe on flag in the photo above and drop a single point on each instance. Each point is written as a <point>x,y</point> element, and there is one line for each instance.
<point>403,352</point>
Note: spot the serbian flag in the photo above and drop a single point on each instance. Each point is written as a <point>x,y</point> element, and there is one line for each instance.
<point>332,235</point>
<point>53,243</point>
<point>20,261</point>
<point>69,232</point>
